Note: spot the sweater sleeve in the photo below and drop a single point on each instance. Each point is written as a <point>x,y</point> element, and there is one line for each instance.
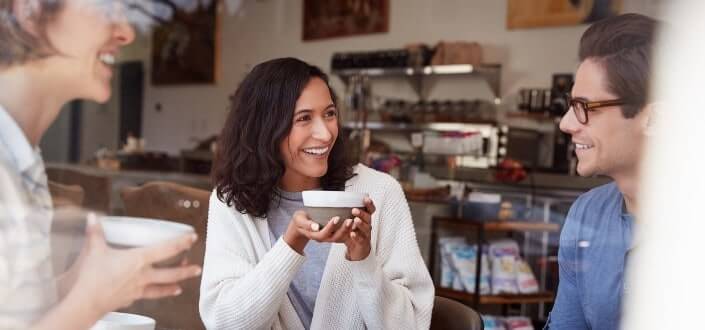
<point>236,293</point>
<point>392,285</point>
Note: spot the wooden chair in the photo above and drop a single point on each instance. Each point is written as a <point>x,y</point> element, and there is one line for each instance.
<point>65,195</point>
<point>183,204</point>
<point>68,225</point>
<point>451,315</point>
<point>96,188</point>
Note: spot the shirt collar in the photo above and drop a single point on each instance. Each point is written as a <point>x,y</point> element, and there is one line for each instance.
<point>23,156</point>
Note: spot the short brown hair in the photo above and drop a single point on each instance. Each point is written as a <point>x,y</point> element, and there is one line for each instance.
<point>623,45</point>
<point>18,44</point>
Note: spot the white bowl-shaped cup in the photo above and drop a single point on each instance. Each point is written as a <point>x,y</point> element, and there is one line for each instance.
<point>124,321</point>
<point>131,232</point>
<point>321,205</point>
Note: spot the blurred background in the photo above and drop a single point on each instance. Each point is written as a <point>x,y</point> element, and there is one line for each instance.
<point>457,99</point>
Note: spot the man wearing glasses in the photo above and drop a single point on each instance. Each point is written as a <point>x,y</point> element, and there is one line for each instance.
<point>608,118</point>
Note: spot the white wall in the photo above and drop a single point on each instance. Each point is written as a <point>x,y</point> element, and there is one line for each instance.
<point>266,29</point>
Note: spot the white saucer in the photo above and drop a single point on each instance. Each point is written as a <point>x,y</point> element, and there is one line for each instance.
<point>124,321</point>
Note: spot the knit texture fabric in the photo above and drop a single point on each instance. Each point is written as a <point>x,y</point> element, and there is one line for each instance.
<point>246,278</point>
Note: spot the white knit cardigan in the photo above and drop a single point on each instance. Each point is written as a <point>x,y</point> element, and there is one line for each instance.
<point>246,278</point>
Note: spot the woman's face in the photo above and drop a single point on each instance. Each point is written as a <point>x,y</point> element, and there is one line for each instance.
<point>314,130</point>
<point>87,35</point>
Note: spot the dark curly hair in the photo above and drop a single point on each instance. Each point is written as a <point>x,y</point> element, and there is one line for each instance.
<point>248,164</point>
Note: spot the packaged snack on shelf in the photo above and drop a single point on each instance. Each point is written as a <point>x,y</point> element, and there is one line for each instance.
<point>518,323</point>
<point>447,245</point>
<point>493,322</point>
<point>464,261</point>
<point>526,281</point>
<point>503,255</point>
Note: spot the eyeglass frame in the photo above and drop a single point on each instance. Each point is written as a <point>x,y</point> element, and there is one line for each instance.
<point>589,105</point>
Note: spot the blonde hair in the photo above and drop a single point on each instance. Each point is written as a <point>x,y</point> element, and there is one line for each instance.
<point>18,44</point>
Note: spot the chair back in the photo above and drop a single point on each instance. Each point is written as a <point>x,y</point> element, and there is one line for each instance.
<point>451,315</point>
<point>96,188</point>
<point>68,224</point>
<point>63,195</point>
<point>183,204</point>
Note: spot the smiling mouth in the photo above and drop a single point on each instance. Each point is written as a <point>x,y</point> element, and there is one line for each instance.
<point>580,146</point>
<point>317,151</point>
<point>107,59</point>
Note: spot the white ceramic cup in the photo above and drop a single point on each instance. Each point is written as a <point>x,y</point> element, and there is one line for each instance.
<point>124,321</point>
<point>131,232</point>
<point>321,205</point>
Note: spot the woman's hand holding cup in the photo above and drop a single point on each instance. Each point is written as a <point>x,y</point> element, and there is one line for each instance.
<point>110,278</point>
<point>355,233</point>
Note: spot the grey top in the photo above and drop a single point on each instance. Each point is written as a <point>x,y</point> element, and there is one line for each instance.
<point>304,287</point>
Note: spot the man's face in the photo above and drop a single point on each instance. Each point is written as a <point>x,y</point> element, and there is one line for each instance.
<point>608,144</point>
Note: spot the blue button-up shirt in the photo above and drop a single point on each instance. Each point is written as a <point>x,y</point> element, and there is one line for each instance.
<point>594,246</point>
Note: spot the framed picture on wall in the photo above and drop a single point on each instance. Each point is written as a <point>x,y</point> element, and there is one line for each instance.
<point>541,13</point>
<point>338,18</point>
<point>185,47</point>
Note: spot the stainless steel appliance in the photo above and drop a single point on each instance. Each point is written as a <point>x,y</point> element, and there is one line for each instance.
<point>540,145</point>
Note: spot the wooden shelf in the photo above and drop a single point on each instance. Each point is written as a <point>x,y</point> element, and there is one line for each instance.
<point>502,225</point>
<point>521,226</point>
<point>432,200</point>
<point>490,72</point>
<point>502,299</point>
<point>542,116</point>
<point>433,70</point>
<point>204,155</point>
<point>477,125</point>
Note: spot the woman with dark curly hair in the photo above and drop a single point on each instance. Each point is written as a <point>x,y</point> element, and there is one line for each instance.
<point>268,265</point>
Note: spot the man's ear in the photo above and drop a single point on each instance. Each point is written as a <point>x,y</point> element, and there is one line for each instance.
<point>651,112</point>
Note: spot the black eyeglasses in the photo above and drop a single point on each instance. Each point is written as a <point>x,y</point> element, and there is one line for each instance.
<point>581,106</point>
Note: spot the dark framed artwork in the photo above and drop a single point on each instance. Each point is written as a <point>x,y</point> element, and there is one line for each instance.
<point>541,13</point>
<point>185,48</point>
<point>338,18</point>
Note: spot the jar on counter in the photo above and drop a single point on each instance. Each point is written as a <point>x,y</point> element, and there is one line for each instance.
<point>443,113</point>
<point>418,112</point>
<point>455,113</point>
<point>431,112</point>
<point>386,110</point>
<point>400,112</point>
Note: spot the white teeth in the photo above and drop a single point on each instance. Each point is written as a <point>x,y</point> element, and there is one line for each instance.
<point>106,58</point>
<point>316,151</point>
<point>582,146</point>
